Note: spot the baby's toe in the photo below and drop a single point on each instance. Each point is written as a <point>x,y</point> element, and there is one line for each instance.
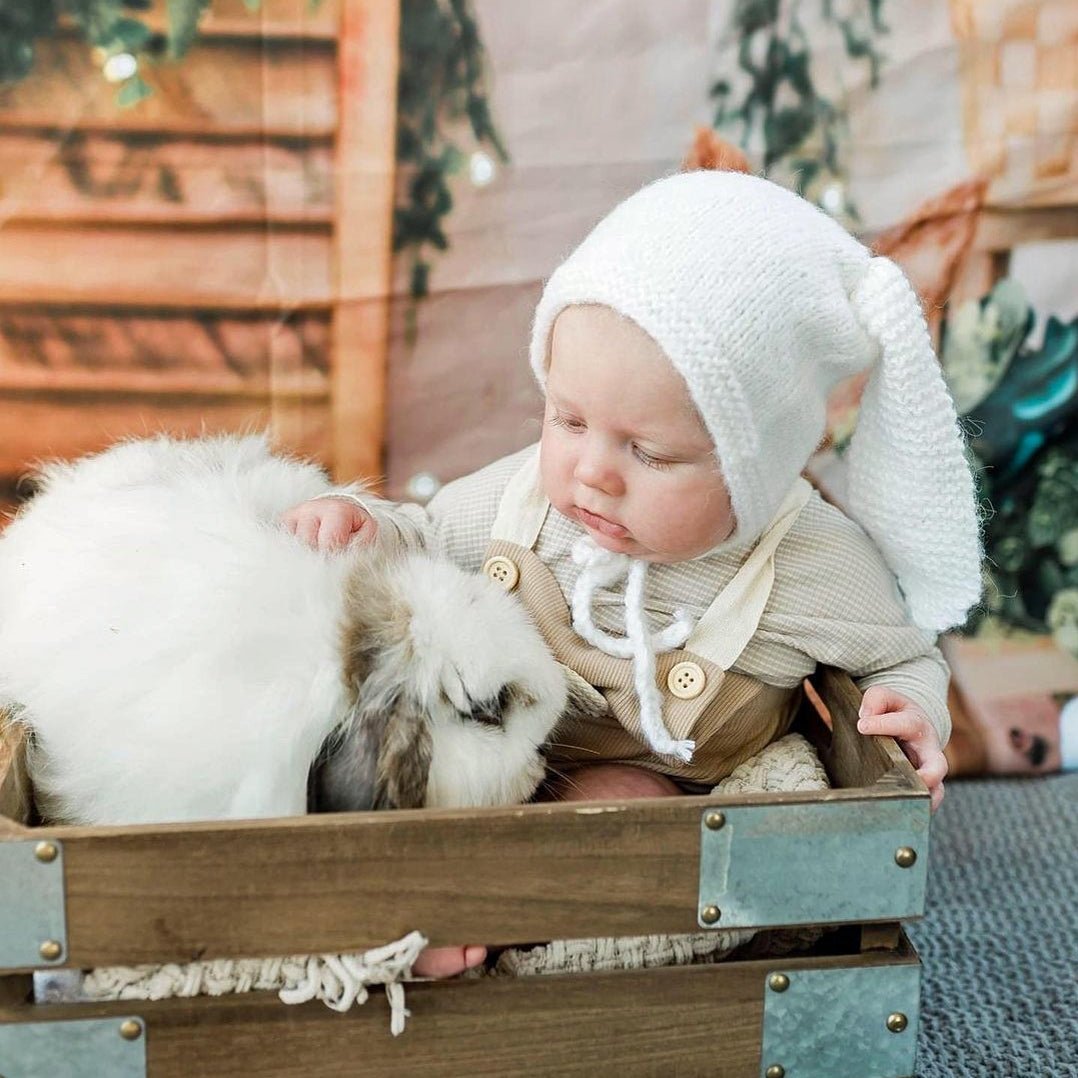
<point>448,961</point>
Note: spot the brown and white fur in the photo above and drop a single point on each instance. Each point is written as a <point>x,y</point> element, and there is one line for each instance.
<point>177,655</point>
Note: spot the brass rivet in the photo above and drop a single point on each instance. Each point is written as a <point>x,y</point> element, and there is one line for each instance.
<point>778,982</point>
<point>775,1071</point>
<point>710,914</point>
<point>50,950</point>
<point>715,820</point>
<point>46,852</point>
<point>905,856</point>
<point>131,1030</point>
<point>897,1022</point>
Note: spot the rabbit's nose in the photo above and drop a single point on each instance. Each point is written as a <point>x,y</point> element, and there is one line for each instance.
<point>491,712</point>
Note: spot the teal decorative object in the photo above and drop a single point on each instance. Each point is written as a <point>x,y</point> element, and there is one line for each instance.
<point>1020,407</point>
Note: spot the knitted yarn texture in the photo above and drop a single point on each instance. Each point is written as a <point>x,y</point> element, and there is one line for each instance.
<point>602,568</point>
<point>339,981</point>
<point>763,304</point>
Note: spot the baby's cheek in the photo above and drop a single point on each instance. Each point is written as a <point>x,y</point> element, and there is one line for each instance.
<point>551,469</point>
<point>688,524</point>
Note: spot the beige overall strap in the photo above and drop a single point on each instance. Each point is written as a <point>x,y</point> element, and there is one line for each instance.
<point>730,622</point>
<point>523,507</point>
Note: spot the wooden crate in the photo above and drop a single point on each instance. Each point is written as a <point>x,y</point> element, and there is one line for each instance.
<point>504,876</point>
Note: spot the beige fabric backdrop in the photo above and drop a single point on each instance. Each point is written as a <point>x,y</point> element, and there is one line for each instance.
<point>595,99</point>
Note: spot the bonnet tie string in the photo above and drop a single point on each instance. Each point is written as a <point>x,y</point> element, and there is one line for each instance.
<point>603,568</point>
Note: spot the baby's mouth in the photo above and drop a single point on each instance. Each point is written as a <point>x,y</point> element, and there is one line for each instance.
<point>600,524</point>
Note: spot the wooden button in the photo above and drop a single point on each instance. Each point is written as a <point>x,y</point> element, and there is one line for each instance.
<point>686,680</point>
<point>503,570</point>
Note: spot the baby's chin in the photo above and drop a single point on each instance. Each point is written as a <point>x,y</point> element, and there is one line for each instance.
<point>625,544</point>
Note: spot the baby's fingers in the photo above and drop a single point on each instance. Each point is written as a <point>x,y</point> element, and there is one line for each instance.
<point>933,771</point>
<point>903,725</point>
<point>307,528</point>
<point>332,533</point>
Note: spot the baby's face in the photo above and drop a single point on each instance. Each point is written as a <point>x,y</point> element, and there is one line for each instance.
<point>624,453</point>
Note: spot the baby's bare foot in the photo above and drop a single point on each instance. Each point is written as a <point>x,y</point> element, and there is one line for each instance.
<point>447,961</point>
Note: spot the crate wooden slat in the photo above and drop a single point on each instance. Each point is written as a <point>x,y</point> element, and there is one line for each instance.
<point>851,759</point>
<point>349,882</point>
<point>283,88</point>
<point>133,177</point>
<point>696,1020</point>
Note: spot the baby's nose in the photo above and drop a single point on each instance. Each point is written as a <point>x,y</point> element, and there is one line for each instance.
<point>598,473</point>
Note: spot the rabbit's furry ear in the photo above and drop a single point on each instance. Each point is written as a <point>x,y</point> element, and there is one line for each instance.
<point>404,759</point>
<point>344,776</point>
<point>376,761</point>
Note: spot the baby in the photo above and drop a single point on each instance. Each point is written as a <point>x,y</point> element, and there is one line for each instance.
<point>661,534</point>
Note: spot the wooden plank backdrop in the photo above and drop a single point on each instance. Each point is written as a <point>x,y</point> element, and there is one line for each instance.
<point>245,87</point>
<point>150,178</point>
<point>214,258</point>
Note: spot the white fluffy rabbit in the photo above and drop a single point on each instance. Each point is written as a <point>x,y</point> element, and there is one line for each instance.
<point>178,655</point>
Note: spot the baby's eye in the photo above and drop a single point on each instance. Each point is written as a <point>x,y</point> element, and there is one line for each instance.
<point>568,422</point>
<point>652,462</point>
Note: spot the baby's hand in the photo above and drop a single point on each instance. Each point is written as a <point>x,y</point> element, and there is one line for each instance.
<point>330,523</point>
<point>884,711</point>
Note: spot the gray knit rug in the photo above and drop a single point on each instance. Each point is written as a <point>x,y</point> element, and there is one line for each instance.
<point>998,941</point>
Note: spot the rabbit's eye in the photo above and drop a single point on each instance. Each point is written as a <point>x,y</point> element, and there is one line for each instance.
<point>490,712</point>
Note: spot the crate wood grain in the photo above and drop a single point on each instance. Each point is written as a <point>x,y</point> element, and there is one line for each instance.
<point>695,1020</point>
<point>348,882</point>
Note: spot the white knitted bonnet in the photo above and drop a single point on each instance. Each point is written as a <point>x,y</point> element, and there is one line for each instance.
<point>763,304</point>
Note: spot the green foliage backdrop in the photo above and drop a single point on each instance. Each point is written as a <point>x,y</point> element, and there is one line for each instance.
<point>803,131</point>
